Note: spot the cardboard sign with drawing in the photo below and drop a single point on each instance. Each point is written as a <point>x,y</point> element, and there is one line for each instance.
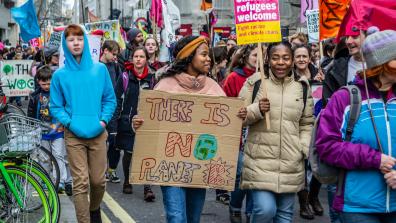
<point>187,141</point>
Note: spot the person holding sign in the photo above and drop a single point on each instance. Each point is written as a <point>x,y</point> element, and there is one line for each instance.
<point>187,74</point>
<point>83,100</point>
<point>274,158</point>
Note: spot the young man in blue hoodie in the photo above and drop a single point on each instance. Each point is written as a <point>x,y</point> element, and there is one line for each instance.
<point>83,100</point>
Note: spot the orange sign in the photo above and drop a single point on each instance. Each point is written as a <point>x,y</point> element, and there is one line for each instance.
<point>331,14</point>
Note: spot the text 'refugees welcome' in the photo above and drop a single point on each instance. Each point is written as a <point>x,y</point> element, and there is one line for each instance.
<point>256,10</point>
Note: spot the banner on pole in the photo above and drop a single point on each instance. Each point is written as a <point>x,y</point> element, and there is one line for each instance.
<point>187,140</point>
<point>332,13</point>
<point>257,21</point>
<point>16,75</point>
<point>313,25</point>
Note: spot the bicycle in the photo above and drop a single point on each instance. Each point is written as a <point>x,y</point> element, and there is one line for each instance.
<point>40,155</point>
<point>25,188</point>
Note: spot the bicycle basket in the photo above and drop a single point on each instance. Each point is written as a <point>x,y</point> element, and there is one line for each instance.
<point>19,135</point>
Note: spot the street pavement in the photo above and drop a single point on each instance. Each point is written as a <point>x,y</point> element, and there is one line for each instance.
<point>118,207</point>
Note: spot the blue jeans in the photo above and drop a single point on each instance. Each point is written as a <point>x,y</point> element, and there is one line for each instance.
<point>270,207</point>
<point>331,193</point>
<point>183,205</point>
<point>368,218</point>
<point>238,195</point>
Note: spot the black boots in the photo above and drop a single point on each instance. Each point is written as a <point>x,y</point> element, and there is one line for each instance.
<point>305,210</point>
<point>313,199</point>
<point>95,216</point>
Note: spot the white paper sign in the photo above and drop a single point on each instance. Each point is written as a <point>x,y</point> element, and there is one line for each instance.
<point>313,25</point>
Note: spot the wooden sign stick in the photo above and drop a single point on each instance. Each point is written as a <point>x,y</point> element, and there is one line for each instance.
<point>260,60</point>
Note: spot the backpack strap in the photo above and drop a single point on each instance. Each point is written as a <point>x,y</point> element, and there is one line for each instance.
<point>125,81</point>
<point>305,93</point>
<point>256,89</point>
<point>354,113</point>
<point>354,110</point>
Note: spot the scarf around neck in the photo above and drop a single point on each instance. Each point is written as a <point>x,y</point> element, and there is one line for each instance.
<point>130,67</point>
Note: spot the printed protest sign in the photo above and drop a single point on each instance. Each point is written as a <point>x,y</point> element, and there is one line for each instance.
<point>111,30</point>
<point>16,75</point>
<point>313,25</point>
<point>94,46</point>
<point>55,39</point>
<point>257,21</point>
<point>187,140</point>
<point>35,42</point>
<point>307,5</point>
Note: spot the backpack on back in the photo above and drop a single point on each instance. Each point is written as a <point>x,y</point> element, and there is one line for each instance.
<point>327,174</point>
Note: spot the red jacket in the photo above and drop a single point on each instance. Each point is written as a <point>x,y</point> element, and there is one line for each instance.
<point>235,80</point>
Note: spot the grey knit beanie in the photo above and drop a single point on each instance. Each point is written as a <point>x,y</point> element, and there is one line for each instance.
<point>132,33</point>
<point>379,47</point>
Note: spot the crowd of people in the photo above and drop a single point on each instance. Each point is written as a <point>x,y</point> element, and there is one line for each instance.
<point>273,162</point>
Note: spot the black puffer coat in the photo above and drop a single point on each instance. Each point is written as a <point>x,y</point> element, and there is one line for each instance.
<point>127,102</point>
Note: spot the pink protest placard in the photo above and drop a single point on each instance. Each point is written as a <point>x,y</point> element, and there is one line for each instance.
<point>257,21</point>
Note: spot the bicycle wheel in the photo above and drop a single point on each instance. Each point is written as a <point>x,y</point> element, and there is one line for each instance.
<point>48,163</point>
<point>30,192</point>
<point>48,187</point>
<point>12,109</point>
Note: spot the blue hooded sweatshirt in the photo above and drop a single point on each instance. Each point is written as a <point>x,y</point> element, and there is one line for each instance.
<point>82,94</point>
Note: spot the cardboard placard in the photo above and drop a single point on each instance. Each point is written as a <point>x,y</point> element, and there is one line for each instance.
<point>187,140</point>
<point>257,21</point>
<point>16,75</point>
<point>313,25</point>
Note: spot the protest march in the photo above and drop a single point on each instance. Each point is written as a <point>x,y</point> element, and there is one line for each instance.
<point>181,111</point>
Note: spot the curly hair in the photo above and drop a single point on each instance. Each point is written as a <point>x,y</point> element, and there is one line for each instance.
<point>241,56</point>
<point>178,66</point>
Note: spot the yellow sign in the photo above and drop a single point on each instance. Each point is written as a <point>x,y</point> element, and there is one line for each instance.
<point>258,22</point>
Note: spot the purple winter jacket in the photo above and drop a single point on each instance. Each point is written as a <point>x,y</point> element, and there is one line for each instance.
<point>364,189</point>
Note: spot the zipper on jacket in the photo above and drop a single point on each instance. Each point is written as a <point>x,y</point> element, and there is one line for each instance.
<point>280,137</point>
<point>388,133</point>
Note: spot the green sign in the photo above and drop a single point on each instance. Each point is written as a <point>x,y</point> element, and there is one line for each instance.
<point>16,75</point>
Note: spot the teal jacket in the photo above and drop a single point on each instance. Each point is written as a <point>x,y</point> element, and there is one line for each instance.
<point>82,94</point>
